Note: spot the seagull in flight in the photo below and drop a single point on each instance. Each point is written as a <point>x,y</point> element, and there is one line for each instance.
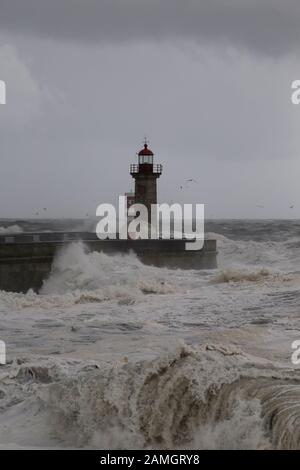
<point>187,185</point>
<point>191,180</point>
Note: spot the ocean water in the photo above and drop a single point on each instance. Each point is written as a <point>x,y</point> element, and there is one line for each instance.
<point>115,354</point>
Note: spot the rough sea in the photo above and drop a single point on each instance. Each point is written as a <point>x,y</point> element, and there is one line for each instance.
<point>115,354</point>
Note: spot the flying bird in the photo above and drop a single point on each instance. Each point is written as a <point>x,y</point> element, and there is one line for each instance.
<point>191,180</point>
<point>186,183</point>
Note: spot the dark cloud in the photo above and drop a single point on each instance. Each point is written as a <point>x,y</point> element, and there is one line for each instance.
<point>264,26</point>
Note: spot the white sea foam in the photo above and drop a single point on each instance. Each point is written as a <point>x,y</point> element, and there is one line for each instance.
<point>103,277</point>
<point>115,354</point>
<point>79,277</point>
<point>231,275</point>
<point>206,397</point>
<point>11,229</point>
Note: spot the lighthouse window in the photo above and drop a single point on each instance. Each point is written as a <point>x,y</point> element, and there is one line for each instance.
<point>146,159</point>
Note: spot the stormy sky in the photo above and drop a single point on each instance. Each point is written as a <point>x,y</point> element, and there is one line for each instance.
<point>208,81</point>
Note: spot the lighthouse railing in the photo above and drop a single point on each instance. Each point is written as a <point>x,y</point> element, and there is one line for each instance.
<point>137,168</point>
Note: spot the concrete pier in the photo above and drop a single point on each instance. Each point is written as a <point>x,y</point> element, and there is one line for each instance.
<point>26,259</point>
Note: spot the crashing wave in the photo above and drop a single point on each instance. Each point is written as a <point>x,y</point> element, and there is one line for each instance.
<point>208,397</point>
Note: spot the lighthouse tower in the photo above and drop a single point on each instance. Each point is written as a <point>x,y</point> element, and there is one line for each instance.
<point>146,174</point>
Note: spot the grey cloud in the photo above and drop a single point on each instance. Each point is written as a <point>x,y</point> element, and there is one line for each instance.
<point>86,80</point>
<point>264,26</point>
<point>219,119</point>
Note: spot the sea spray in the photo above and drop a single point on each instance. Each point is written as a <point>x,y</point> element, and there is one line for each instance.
<point>75,268</point>
<point>10,229</point>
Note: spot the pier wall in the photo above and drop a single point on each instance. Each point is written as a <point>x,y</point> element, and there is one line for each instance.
<point>26,259</point>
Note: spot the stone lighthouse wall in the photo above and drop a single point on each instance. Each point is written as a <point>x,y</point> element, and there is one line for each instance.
<point>146,189</point>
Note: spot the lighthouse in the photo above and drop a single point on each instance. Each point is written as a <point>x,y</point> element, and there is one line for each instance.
<point>146,174</point>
